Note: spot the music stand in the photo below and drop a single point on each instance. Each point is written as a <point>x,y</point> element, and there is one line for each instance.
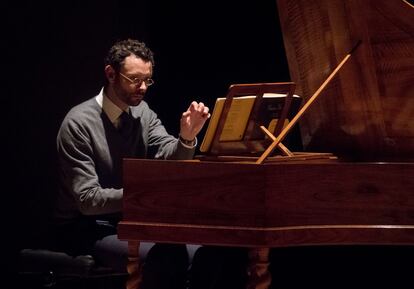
<point>250,145</point>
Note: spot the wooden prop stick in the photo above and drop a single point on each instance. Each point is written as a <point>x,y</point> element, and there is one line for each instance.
<point>284,132</point>
<point>280,146</point>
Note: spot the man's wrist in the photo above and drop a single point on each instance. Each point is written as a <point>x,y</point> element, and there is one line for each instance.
<point>186,142</point>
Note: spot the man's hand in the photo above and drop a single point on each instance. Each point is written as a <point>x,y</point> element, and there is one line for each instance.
<point>193,120</point>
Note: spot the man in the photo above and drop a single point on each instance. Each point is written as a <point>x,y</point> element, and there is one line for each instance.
<point>93,138</point>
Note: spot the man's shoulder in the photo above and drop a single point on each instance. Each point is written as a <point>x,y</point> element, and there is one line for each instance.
<point>87,107</point>
<point>141,110</point>
<point>85,112</point>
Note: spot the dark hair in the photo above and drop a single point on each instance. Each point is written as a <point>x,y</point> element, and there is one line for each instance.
<point>124,48</point>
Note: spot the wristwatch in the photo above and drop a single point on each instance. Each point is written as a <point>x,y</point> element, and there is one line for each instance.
<point>186,141</point>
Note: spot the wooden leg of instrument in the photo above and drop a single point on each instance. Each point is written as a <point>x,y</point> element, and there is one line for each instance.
<point>133,266</point>
<point>258,273</point>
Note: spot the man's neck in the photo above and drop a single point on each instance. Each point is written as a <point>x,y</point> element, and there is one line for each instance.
<point>110,93</point>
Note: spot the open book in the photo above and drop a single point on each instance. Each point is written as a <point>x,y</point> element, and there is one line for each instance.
<point>239,115</point>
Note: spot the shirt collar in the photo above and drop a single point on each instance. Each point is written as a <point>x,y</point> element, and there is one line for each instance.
<point>112,111</point>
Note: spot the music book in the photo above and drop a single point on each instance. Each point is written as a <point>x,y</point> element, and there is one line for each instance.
<point>240,116</point>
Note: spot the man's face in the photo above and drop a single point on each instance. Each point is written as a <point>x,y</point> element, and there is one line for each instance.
<point>132,81</point>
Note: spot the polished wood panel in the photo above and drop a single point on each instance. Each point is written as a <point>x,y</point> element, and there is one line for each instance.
<point>268,205</point>
<point>366,112</point>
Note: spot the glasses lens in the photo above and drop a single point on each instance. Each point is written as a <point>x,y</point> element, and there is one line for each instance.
<point>149,81</point>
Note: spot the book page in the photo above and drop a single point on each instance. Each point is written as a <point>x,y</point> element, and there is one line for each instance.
<point>235,124</point>
<point>237,118</point>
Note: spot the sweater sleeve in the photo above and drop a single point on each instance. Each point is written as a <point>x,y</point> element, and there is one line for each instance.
<point>164,145</point>
<point>78,172</point>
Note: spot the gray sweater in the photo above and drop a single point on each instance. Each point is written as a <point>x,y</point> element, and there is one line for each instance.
<point>90,152</point>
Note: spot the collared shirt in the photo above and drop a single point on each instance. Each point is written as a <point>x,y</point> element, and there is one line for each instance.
<point>111,109</point>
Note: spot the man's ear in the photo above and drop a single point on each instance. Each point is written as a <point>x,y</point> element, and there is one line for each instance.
<point>110,73</point>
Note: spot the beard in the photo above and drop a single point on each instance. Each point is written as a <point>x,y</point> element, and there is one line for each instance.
<point>127,96</point>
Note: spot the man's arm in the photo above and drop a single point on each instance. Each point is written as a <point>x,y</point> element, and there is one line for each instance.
<point>169,147</point>
<point>79,176</point>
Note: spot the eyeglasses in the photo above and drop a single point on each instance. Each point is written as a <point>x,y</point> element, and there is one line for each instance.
<point>137,81</point>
